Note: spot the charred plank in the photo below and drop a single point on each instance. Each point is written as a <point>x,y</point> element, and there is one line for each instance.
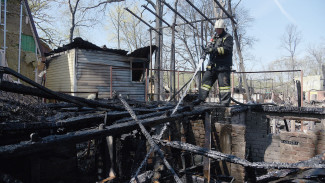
<point>315,162</point>
<point>27,147</point>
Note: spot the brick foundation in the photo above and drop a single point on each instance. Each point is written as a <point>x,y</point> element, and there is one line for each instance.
<point>297,146</point>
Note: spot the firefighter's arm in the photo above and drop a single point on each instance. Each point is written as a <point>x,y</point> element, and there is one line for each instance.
<point>209,66</point>
<point>226,48</point>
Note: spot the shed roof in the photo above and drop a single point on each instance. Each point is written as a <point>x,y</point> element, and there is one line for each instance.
<point>83,44</point>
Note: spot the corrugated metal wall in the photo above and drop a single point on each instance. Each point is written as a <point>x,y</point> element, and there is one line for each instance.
<point>60,74</point>
<point>93,74</point>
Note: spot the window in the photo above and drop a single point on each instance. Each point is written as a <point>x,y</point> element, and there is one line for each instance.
<point>138,70</point>
<point>27,43</point>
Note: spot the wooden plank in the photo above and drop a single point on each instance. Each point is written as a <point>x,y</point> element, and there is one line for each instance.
<point>315,162</point>
<point>45,143</point>
<point>294,118</point>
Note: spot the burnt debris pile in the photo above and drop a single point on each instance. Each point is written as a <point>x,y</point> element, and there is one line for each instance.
<point>73,139</point>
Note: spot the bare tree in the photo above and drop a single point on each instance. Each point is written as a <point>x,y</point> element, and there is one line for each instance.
<point>240,41</point>
<point>290,41</point>
<point>101,4</point>
<point>190,39</point>
<point>73,23</point>
<point>116,17</point>
<point>81,13</point>
<point>317,54</point>
<point>44,21</point>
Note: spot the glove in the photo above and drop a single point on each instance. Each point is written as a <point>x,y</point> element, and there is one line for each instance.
<point>208,49</point>
<point>209,67</point>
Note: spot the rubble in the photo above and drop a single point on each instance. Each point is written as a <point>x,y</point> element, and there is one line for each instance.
<point>74,130</point>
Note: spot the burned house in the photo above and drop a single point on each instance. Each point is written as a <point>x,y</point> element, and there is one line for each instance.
<point>123,139</point>
<point>82,68</point>
<point>69,142</point>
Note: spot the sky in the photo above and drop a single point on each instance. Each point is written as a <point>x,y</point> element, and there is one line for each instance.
<point>272,17</point>
<point>270,20</point>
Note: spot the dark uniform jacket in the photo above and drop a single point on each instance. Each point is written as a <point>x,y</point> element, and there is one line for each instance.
<point>221,54</point>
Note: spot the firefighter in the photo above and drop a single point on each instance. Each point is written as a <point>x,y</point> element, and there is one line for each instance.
<point>219,67</point>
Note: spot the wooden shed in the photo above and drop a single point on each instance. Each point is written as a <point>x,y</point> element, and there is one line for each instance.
<point>82,68</point>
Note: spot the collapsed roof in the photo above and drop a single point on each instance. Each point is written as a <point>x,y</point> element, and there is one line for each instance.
<point>83,44</point>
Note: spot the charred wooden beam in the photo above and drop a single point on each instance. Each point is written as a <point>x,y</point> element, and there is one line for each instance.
<point>275,175</point>
<point>48,142</point>
<point>41,91</point>
<point>155,114</point>
<point>297,110</point>
<point>79,122</point>
<point>295,118</point>
<point>72,123</point>
<point>145,177</point>
<point>315,162</point>
<point>26,90</point>
<point>57,95</point>
<point>150,139</point>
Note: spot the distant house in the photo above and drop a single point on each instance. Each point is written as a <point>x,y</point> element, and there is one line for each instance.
<point>312,83</point>
<point>314,87</point>
<point>82,68</point>
<point>31,51</point>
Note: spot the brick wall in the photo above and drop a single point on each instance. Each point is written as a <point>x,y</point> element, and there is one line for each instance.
<point>272,152</point>
<point>256,135</point>
<point>238,147</point>
<point>226,138</point>
<point>320,148</point>
<point>297,146</point>
<point>248,133</point>
<point>197,132</point>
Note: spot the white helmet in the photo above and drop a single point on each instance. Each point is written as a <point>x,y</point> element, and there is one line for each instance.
<point>220,23</point>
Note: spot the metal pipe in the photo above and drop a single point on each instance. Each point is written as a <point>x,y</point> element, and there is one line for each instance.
<point>111,81</point>
<point>302,88</point>
<point>201,73</point>
<point>171,8</point>
<point>146,85</point>
<point>156,15</point>
<point>268,71</point>
<point>196,21</point>
<point>225,11</point>
<point>202,14</point>
<point>5,28</point>
<point>150,30</point>
<point>20,31</point>
<point>232,83</point>
<point>174,61</point>
<point>0,12</point>
<point>177,81</point>
<point>127,9</point>
<point>159,67</point>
